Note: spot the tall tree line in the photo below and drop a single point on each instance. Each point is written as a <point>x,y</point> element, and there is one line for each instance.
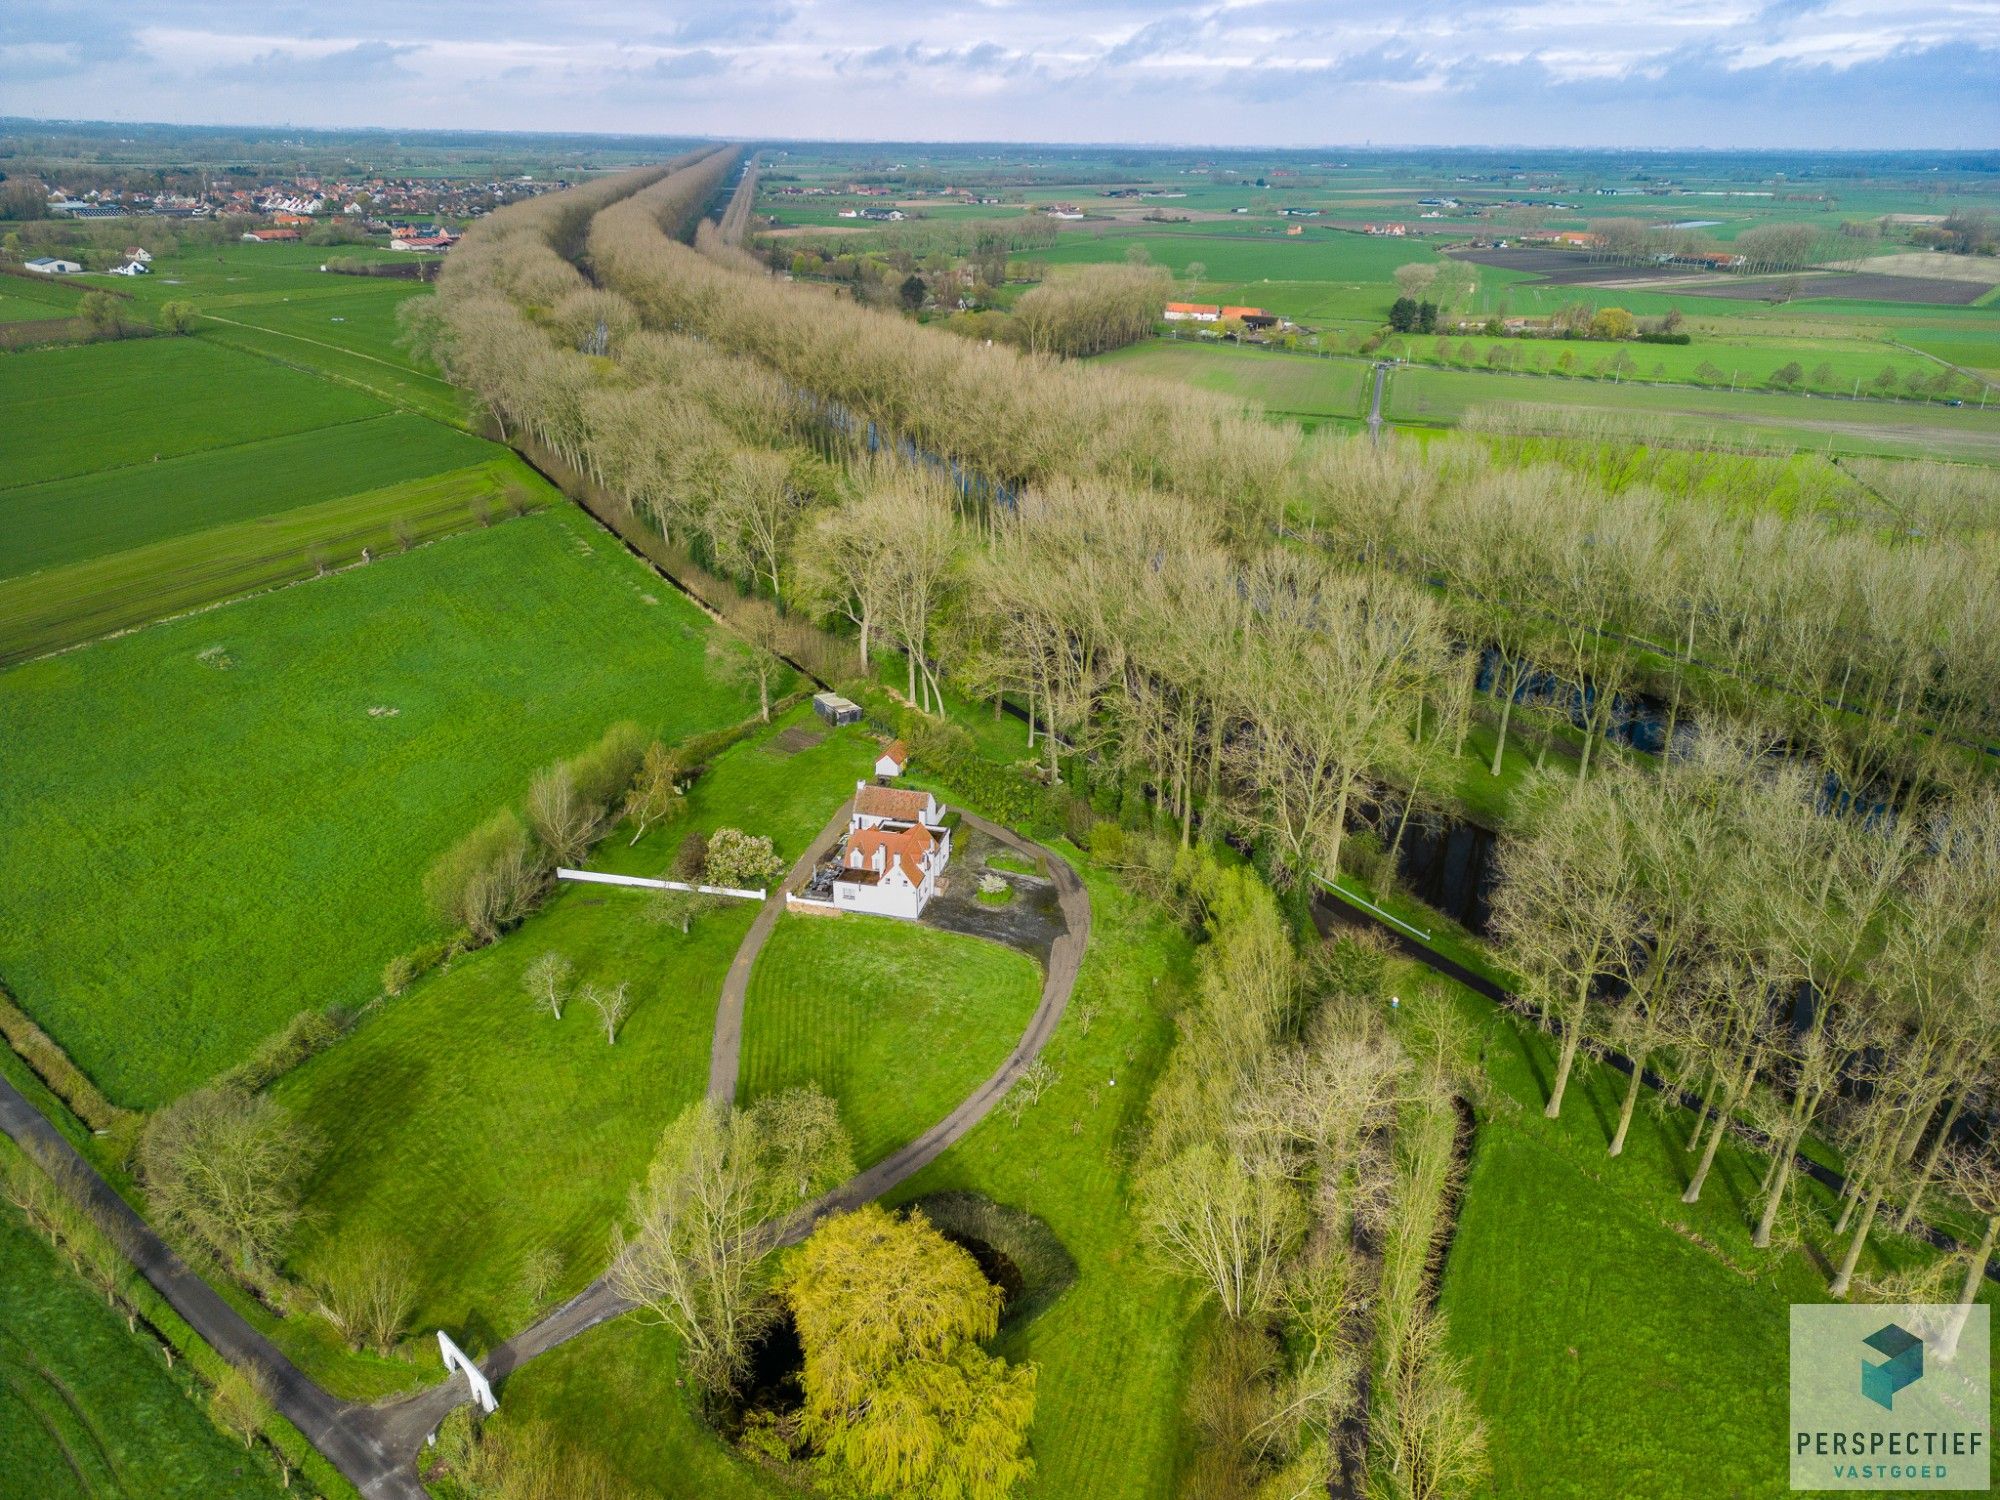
<point>1283,637</point>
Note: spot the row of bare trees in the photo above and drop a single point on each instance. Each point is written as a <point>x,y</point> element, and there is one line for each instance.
<point>1812,972</point>
<point>1158,622</point>
<point>1298,1166</point>
<point>1882,660</point>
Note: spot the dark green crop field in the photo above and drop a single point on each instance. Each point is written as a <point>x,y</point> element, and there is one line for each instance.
<point>89,515</point>
<point>93,407</point>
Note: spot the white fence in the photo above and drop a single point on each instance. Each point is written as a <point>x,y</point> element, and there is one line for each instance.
<point>593,877</point>
<point>457,1359</point>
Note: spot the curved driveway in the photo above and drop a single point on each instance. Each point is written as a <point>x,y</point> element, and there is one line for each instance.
<point>376,1447</point>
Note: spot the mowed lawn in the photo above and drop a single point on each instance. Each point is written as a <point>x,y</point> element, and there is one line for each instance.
<point>200,849</point>
<point>88,1409</point>
<point>473,1130</point>
<point>617,1391</point>
<point>89,515</point>
<point>897,1021</point>
<point>470,1130</point>
<point>1114,1351</point>
<point>87,408</point>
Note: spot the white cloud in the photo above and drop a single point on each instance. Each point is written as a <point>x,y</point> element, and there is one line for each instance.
<point>1229,71</point>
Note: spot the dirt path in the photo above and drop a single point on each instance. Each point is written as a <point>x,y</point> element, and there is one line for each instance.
<point>400,1427</point>
<point>331,1426</point>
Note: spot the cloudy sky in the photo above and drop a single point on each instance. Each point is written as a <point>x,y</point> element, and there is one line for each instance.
<point>1837,73</point>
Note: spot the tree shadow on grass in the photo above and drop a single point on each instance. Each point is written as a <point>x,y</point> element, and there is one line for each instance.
<point>1528,1045</point>
<point>1599,1092</point>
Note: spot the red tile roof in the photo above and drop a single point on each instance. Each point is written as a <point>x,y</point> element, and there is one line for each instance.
<point>899,803</point>
<point>910,844</point>
<point>896,751</point>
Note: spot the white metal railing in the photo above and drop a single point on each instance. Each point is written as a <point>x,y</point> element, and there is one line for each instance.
<point>594,877</point>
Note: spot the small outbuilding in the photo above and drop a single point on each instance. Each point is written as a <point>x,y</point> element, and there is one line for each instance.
<point>836,710</point>
<point>892,761</point>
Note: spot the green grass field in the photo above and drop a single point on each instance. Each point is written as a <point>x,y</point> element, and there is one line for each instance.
<point>474,1130</point>
<point>1285,385</point>
<point>89,408</point>
<point>1111,1352</point>
<point>896,1021</point>
<point>67,606</point>
<point>617,1390</point>
<point>322,351</point>
<point>15,308</point>
<point>1600,1313</point>
<point>471,1130</point>
<point>88,1409</point>
<point>199,853</point>
<point>88,515</point>
<point>1434,397</point>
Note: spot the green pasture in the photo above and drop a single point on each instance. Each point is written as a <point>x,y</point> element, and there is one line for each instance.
<point>1435,397</point>
<point>1285,385</point>
<point>68,520</point>
<point>202,848</point>
<point>461,1105</point>
<point>896,1021</point>
<point>361,356</point>
<point>1831,365</point>
<point>65,606</point>
<point>352,313</point>
<point>15,308</point>
<point>88,1409</point>
<point>234,272</point>
<point>1598,1313</point>
<point>89,408</point>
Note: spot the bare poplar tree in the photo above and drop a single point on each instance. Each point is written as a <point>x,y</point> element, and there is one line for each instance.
<point>547,982</point>
<point>612,1003</point>
<point>1565,912</point>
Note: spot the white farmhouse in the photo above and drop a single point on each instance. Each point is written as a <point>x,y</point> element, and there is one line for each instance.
<point>897,847</point>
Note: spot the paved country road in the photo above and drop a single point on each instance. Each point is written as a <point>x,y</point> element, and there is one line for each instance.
<point>330,1425</point>
<point>376,1447</point>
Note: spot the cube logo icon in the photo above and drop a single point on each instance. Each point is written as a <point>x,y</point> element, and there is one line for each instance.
<point>1903,1364</point>
<point>1890,1396</point>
